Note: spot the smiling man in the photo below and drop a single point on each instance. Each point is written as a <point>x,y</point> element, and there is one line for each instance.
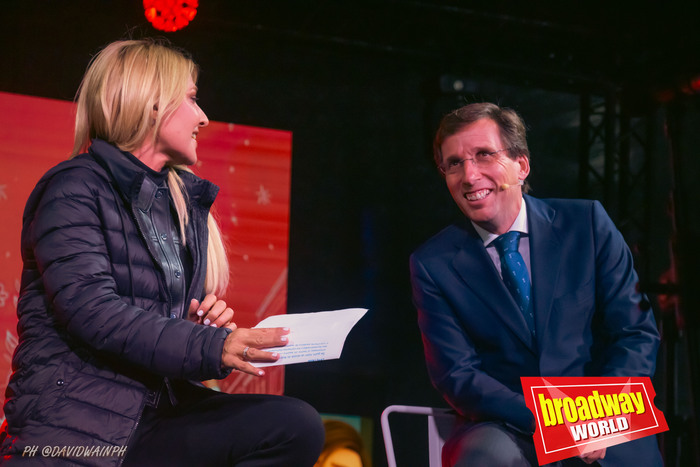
<point>521,287</point>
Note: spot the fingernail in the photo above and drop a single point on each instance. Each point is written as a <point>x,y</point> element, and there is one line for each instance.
<point>261,373</point>
<point>206,322</point>
<point>283,339</point>
<point>275,355</point>
<point>200,312</point>
<point>213,325</point>
<point>286,329</point>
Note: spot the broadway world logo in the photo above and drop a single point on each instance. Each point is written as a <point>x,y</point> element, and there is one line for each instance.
<point>579,415</point>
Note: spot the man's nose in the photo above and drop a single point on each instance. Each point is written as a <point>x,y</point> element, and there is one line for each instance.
<point>470,171</point>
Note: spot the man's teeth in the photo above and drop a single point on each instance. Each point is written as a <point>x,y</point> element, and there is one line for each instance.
<point>194,135</point>
<point>477,195</point>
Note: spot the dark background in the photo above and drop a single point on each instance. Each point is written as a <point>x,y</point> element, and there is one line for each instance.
<point>362,85</point>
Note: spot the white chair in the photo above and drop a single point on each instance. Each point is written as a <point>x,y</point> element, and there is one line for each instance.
<point>440,422</point>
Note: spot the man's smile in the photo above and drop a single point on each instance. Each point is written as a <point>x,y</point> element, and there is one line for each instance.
<point>477,195</point>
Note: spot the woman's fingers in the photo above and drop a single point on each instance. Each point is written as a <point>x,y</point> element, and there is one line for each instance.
<point>243,346</point>
<point>212,312</point>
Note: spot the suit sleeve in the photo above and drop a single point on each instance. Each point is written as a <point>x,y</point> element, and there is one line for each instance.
<point>67,239</point>
<point>454,365</point>
<point>627,333</point>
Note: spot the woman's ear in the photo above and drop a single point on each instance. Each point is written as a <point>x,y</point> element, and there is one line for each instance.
<point>154,114</point>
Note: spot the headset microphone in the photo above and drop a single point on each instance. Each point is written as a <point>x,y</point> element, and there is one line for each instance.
<point>505,186</point>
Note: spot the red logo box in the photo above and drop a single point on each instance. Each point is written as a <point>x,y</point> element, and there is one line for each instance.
<point>578,415</point>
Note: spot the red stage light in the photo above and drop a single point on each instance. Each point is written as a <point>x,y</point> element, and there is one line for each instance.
<point>695,84</point>
<point>170,15</point>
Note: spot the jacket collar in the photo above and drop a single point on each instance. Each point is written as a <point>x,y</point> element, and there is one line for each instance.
<point>478,272</point>
<point>129,176</point>
<point>545,260</point>
<point>473,264</point>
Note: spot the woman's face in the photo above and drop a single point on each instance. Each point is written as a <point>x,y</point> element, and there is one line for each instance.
<point>342,457</point>
<point>177,140</point>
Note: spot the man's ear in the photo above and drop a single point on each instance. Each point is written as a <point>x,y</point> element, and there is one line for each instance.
<point>524,167</point>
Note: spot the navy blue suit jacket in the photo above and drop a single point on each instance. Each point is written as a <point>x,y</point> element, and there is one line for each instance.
<point>588,317</point>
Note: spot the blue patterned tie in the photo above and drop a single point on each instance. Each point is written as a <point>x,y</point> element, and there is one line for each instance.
<point>515,274</point>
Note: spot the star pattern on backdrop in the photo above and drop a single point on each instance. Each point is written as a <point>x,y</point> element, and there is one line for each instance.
<point>264,196</point>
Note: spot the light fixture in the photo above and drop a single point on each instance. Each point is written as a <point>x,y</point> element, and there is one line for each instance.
<point>170,15</point>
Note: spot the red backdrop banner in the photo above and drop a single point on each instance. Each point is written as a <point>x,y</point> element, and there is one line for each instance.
<point>252,166</point>
<point>575,415</point>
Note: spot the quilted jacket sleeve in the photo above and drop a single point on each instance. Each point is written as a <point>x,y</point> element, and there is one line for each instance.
<point>67,234</point>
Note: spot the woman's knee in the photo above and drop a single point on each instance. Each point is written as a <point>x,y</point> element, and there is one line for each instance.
<point>298,417</point>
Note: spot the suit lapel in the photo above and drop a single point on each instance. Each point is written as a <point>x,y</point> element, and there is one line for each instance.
<point>473,264</point>
<point>545,259</point>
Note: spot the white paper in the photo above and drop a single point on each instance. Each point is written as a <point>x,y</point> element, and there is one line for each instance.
<point>312,336</point>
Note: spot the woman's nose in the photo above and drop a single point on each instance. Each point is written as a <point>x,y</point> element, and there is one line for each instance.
<point>204,121</point>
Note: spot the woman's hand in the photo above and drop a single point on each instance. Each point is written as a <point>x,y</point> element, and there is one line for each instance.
<point>243,346</point>
<point>212,312</point>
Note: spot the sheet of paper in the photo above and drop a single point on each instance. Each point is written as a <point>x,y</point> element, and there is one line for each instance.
<point>313,336</point>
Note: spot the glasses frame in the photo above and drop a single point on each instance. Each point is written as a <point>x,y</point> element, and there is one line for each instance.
<point>459,164</point>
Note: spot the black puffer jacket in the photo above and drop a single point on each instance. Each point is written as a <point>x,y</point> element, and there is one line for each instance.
<point>99,331</point>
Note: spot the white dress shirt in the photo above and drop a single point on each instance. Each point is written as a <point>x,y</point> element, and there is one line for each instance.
<point>520,225</point>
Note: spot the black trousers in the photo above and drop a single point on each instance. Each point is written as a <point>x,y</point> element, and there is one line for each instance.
<point>209,428</point>
<point>488,444</point>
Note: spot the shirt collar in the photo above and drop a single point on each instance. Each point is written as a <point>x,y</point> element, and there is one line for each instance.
<point>520,225</point>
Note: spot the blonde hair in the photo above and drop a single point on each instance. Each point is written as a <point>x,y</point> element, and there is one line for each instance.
<point>124,83</point>
<point>341,435</point>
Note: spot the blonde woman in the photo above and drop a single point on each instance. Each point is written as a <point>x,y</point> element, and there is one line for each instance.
<point>118,308</point>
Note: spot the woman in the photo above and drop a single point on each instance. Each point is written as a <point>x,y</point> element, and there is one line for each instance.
<point>343,446</point>
<point>118,307</point>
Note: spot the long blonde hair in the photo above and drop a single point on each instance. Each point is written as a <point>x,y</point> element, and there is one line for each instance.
<point>122,86</point>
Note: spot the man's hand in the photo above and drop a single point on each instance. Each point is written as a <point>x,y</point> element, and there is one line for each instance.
<point>591,457</point>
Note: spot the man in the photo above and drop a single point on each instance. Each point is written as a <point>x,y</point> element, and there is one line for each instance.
<point>574,309</point>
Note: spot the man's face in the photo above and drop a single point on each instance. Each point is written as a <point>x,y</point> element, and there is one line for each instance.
<point>477,188</point>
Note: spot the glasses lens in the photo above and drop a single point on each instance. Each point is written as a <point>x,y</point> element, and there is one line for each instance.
<point>481,159</point>
<point>452,167</point>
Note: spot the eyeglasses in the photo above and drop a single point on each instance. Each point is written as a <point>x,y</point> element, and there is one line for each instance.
<point>481,159</point>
